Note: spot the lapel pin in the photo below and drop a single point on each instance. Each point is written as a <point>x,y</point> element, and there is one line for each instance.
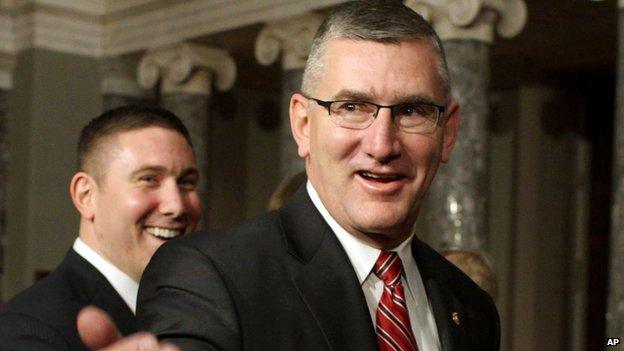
<point>455,316</point>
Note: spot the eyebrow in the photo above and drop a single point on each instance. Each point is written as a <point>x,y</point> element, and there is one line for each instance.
<point>160,169</point>
<point>348,94</point>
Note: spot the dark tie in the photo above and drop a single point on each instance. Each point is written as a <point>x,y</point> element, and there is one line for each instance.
<point>394,332</point>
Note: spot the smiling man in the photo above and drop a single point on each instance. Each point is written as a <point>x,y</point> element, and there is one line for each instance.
<point>135,189</point>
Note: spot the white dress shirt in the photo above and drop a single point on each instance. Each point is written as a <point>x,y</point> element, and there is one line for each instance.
<point>363,258</point>
<point>125,286</point>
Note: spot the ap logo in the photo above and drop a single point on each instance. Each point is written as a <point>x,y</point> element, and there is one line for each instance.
<point>613,341</point>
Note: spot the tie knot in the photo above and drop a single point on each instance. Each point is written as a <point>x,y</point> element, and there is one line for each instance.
<point>389,268</point>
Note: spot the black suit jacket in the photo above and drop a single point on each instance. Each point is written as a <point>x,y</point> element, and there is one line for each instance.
<point>43,317</point>
<point>284,282</point>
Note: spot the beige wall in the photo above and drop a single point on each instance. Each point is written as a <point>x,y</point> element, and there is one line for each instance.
<point>228,138</point>
<point>54,96</point>
<point>533,221</point>
<point>263,152</point>
<point>503,170</point>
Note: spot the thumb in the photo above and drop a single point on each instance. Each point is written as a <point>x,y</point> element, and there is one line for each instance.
<point>96,328</point>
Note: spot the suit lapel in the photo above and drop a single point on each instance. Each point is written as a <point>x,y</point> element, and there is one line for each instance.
<point>443,311</point>
<point>92,288</point>
<point>110,300</point>
<point>447,310</point>
<point>325,279</point>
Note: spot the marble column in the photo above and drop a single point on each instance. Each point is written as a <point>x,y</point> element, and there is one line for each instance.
<point>455,215</point>
<point>186,73</point>
<point>119,85</point>
<point>615,300</point>
<point>292,38</point>
<point>7,63</point>
<point>4,163</point>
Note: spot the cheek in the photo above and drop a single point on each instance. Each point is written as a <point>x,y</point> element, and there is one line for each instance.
<point>140,205</point>
<point>424,154</point>
<point>333,145</point>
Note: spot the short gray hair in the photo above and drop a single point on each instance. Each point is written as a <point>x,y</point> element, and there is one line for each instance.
<point>382,21</point>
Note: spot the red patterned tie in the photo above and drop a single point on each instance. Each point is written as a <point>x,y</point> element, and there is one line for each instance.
<point>394,332</point>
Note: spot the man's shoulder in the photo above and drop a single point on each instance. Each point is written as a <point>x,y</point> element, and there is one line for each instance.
<point>241,252</point>
<point>253,234</point>
<point>44,313</point>
<point>264,234</point>
<point>56,292</point>
<point>48,309</point>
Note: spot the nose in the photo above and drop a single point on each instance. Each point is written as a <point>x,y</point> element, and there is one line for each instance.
<point>380,140</point>
<point>171,200</point>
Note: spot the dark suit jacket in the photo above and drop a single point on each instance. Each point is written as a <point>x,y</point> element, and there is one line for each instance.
<point>284,282</point>
<point>43,317</point>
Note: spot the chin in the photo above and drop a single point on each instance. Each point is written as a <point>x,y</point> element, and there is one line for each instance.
<point>384,217</point>
<point>384,226</point>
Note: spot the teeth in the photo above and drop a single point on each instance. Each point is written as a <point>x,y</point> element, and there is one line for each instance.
<point>379,176</point>
<point>164,233</point>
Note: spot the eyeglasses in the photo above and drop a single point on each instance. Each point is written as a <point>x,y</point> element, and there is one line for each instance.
<point>410,117</point>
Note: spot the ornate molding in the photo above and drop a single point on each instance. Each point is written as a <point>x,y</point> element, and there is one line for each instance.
<point>188,68</point>
<point>292,37</point>
<point>90,7</point>
<point>101,28</point>
<point>99,7</point>
<point>473,19</point>
<point>11,4</point>
<point>16,32</point>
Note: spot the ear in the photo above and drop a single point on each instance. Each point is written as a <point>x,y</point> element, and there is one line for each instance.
<point>82,189</point>
<point>450,130</point>
<point>300,123</point>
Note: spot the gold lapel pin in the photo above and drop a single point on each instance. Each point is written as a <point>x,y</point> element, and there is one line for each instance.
<point>455,316</point>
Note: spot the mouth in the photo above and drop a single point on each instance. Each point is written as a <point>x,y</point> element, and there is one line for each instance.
<point>380,177</point>
<point>164,233</point>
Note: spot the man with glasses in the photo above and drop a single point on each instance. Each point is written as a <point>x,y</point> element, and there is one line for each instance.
<point>338,266</point>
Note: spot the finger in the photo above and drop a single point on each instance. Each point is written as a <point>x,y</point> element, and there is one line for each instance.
<point>168,347</point>
<point>97,330</point>
<point>135,342</point>
<point>140,342</point>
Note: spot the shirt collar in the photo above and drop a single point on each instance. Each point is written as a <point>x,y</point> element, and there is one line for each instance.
<point>361,255</point>
<point>125,286</point>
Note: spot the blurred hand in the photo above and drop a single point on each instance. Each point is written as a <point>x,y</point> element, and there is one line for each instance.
<point>98,331</point>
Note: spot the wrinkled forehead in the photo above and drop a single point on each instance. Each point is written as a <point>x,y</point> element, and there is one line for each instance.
<point>381,69</point>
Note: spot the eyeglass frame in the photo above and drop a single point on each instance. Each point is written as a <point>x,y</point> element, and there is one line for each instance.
<point>327,104</point>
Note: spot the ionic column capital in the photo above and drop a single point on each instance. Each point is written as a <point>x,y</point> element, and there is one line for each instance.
<point>186,67</point>
<point>473,19</point>
<point>292,37</point>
